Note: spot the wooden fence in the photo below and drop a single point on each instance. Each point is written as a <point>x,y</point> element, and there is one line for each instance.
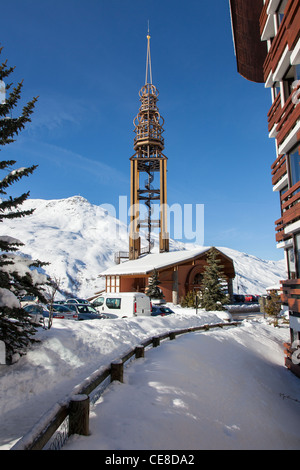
<point>76,407</point>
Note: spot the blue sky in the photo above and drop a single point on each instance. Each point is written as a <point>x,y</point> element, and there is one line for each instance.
<point>86,62</point>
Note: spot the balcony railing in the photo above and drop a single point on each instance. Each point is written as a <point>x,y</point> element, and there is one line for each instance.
<point>274,113</point>
<point>291,211</point>
<point>289,116</point>
<point>287,35</point>
<point>263,17</point>
<point>285,118</point>
<point>290,294</point>
<point>278,168</point>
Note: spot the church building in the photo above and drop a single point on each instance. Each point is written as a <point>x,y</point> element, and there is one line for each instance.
<point>179,272</point>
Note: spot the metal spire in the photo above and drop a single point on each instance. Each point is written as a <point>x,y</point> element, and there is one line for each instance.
<point>148,62</point>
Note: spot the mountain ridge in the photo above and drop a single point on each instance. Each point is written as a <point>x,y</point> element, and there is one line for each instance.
<point>79,240</point>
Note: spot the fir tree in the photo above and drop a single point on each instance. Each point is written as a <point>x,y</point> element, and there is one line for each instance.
<point>189,300</point>
<point>213,296</point>
<point>153,290</point>
<point>17,274</point>
<point>273,306</point>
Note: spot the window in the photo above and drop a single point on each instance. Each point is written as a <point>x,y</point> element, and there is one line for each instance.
<point>281,193</point>
<point>113,303</point>
<point>297,252</point>
<point>292,76</point>
<point>294,159</point>
<point>297,72</point>
<point>276,90</point>
<point>113,284</point>
<point>98,302</point>
<point>198,279</point>
<point>294,335</point>
<point>280,11</point>
<point>291,263</point>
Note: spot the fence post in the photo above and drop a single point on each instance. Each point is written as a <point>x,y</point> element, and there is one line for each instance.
<point>117,371</point>
<point>139,352</point>
<point>79,415</point>
<point>172,335</point>
<point>155,341</point>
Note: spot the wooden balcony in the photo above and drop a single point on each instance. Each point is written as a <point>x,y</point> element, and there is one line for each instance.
<point>284,118</point>
<point>279,168</point>
<point>288,35</point>
<point>289,352</point>
<point>274,113</point>
<point>263,17</point>
<point>288,117</point>
<point>291,211</point>
<point>291,294</point>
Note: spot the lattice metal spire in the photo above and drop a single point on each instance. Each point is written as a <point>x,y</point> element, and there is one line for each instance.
<point>148,61</point>
<point>148,161</point>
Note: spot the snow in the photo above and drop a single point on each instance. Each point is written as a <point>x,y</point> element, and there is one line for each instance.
<point>223,389</point>
<point>8,299</point>
<point>226,388</point>
<point>147,263</point>
<point>79,240</point>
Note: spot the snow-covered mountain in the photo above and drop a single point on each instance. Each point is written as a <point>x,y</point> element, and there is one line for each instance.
<point>79,241</point>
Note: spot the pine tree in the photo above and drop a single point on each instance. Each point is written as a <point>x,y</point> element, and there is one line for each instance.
<point>213,296</point>
<point>18,275</point>
<point>189,300</point>
<point>273,306</point>
<point>153,290</point>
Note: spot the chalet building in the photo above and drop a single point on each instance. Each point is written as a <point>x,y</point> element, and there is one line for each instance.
<point>267,46</point>
<point>179,272</point>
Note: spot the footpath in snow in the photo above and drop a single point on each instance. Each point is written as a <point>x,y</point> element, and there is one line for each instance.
<point>223,389</point>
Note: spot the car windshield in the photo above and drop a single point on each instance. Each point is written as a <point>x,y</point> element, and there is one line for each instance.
<point>33,308</point>
<point>86,309</point>
<point>71,307</point>
<point>98,302</point>
<point>61,308</point>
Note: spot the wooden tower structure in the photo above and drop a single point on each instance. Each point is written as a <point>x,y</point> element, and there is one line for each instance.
<point>148,169</point>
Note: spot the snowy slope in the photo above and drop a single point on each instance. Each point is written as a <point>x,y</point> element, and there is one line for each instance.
<point>79,240</point>
<point>224,389</point>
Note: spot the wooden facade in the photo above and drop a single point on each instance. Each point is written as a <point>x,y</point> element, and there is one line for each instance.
<point>279,25</point>
<point>249,50</point>
<point>179,273</point>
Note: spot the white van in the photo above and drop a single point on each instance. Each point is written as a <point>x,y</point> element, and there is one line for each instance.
<point>123,304</point>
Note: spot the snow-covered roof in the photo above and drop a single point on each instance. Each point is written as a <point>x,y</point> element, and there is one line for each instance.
<point>147,263</point>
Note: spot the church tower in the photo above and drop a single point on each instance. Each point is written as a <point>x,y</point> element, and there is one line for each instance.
<point>148,177</point>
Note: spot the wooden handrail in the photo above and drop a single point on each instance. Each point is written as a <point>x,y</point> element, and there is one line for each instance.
<point>263,17</point>
<point>39,436</point>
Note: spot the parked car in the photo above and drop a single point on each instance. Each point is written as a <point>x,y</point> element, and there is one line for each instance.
<point>251,298</point>
<point>63,312</point>
<point>36,313</point>
<point>160,310</point>
<point>86,312</point>
<point>77,301</point>
<point>123,304</point>
<point>238,298</point>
